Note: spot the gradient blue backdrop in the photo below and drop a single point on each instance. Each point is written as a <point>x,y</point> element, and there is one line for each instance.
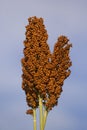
<point>67,17</point>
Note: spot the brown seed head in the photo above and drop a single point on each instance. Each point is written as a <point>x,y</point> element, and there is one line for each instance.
<point>43,73</point>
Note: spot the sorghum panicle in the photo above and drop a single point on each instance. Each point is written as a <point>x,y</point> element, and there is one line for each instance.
<point>43,73</point>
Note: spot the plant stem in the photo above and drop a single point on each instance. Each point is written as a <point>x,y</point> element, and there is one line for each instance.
<point>41,113</point>
<point>34,119</point>
<point>45,118</point>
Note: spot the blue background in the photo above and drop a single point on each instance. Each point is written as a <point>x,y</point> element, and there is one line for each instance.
<point>61,17</point>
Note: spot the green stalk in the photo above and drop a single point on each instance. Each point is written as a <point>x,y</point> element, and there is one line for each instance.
<point>41,113</point>
<point>45,118</point>
<point>34,119</point>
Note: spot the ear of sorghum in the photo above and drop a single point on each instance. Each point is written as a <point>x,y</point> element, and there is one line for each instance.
<point>43,73</point>
<point>60,61</point>
<point>36,56</point>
